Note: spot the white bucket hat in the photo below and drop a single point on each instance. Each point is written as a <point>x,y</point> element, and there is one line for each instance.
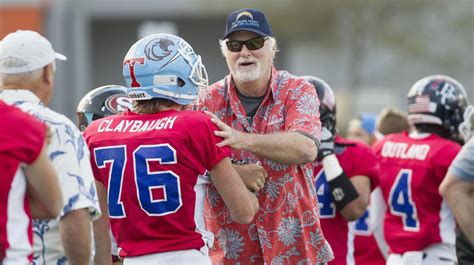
<point>29,47</point>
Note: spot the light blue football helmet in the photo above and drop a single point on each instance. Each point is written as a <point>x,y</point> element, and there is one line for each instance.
<point>164,66</point>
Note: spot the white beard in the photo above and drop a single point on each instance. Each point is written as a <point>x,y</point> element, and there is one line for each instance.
<point>249,74</point>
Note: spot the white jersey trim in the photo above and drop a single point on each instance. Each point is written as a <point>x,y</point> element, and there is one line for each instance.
<point>17,223</point>
<point>200,190</point>
<point>447,225</point>
<point>350,243</point>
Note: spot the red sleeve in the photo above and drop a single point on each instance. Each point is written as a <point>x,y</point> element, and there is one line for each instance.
<point>444,158</point>
<point>205,141</point>
<point>22,134</point>
<point>87,137</point>
<point>366,164</point>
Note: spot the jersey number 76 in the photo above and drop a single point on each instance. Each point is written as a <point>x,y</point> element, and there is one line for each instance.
<point>145,180</point>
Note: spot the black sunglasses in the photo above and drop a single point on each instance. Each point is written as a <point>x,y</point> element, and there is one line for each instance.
<point>252,44</point>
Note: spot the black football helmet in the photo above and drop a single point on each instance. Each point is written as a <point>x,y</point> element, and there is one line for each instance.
<point>439,100</point>
<point>327,107</point>
<point>102,102</point>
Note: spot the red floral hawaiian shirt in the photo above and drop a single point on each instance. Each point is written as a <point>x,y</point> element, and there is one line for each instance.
<point>286,229</point>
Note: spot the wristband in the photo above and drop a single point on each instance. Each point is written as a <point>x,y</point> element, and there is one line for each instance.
<point>343,191</point>
<point>331,166</point>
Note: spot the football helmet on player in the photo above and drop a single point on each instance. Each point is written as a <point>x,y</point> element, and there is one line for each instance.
<point>327,107</point>
<point>102,102</point>
<point>439,100</point>
<point>164,66</point>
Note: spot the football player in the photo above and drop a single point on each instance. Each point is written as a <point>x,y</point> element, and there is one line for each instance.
<point>26,173</point>
<point>370,247</point>
<point>150,164</point>
<point>98,103</point>
<point>419,227</point>
<point>102,102</point>
<point>345,172</point>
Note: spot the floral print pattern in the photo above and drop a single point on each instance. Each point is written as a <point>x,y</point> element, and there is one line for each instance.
<point>286,229</point>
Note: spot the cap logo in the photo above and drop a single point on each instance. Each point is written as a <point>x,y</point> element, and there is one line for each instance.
<point>118,103</point>
<point>245,13</point>
<point>158,49</point>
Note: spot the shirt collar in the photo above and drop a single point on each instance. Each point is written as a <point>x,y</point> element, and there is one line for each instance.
<point>19,95</point>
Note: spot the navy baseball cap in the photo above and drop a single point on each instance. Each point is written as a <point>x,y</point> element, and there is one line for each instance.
<point>249,20</point>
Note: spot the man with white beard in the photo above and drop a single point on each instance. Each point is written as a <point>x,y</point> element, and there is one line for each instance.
<point>270,119</point>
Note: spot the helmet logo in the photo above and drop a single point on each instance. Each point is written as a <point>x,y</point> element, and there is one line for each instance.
<point>448,92</point>
<point>118,103</point>
<point>131,64</point>
<point>158,49</point>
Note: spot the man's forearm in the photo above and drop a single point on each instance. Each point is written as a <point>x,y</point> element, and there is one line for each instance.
<point>75,229</point>
<point>459,197</point>
<point>288,148</point>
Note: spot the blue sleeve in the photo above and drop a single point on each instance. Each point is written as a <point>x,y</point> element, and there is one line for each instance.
<point>463,164</point>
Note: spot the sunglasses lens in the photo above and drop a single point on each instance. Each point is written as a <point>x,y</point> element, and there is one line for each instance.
<point>234,45</point>
<point>255,44</point>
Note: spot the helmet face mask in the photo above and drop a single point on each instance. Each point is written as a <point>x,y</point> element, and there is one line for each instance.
<point>438,100</point>
<point>164,66</point>
<point>102,102</point>
<point>327,107</point>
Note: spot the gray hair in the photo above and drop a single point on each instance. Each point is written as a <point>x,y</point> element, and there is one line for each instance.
<point>25,77</point>
<point>225,51</point>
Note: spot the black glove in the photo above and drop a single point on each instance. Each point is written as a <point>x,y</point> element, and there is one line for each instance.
<point>327,144</point>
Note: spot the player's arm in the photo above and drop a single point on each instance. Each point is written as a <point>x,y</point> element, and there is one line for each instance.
<point>242,204</point>
<point>75,230</point>
<point>356,208</point>
<point>351,196</point>
<point>101,230</point>
<point>285,147</point>
<point>75,226</point>
<point>459,195</point>
<point>253,175</point>
<point>43,187</point>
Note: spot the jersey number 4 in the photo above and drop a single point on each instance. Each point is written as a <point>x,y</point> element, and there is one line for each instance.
<point>145,179</point>
<point>401,202</point>
<point>327,208</point>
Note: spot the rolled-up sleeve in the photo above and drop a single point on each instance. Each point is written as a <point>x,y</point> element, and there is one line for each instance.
<point>302,113</point>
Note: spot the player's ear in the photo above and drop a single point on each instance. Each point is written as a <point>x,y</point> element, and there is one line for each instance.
<point>48,73</point>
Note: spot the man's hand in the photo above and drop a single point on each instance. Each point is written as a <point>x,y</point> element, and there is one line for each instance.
<point>232,138</point>
<point>327,144</point>
<point>253,175</point>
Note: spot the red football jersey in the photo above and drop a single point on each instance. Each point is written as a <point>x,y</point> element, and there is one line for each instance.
<point>21,140</point>
<point>153,167</point>
<point>366,249</point>
<point>412,170</point>
<point>356,159</point>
